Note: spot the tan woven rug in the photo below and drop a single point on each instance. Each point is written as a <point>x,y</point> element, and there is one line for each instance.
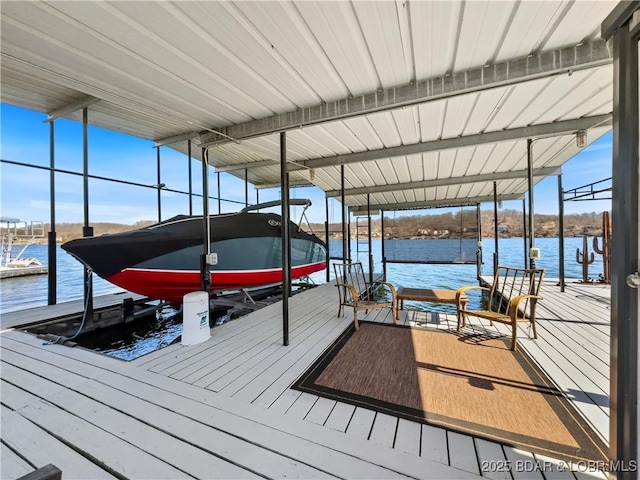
<point>469,383</point>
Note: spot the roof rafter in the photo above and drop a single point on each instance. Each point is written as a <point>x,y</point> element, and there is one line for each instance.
<point>443,182</point>
<point>438,203</point>
<point>175,138</point>
<point>70,108</point>
<point>533,131</point>
<point>545,64</point>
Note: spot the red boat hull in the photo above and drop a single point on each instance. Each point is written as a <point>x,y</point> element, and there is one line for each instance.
<point>172,285</point>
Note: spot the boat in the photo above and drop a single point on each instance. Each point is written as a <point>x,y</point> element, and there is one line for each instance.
<point>163,261</point>
<point>12,229</point>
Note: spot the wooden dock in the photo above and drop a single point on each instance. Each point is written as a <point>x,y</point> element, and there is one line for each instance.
<point>224,409</point>
<point>13,272</point>
<point>34,315</point>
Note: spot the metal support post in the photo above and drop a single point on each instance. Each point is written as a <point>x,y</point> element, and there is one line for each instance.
<point>246,187</point>
<point>561,232</point>
<point>384,258</point>
<point>219,195</point>
<point>525,254</point>
<point>51,240</point>
<point>286,240</point>
<point>345,241</point>
<point>205,267</point>
<point>326,236</point>
<point>479,252</point>
<point>495,227</point>
<point>369,239</point>
<point>532,230</point>
<point>623,24</point>
<point>190,178</point>
<point>159,184</point>
<point>87,231</point>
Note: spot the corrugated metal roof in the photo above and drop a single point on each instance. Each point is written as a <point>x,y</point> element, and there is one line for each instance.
<point>364,76</point>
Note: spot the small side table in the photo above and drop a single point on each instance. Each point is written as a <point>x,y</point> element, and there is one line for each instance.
<point>428,295</point>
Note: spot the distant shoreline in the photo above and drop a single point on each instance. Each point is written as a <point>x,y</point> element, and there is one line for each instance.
<point>408,227</point>
<point>336,238</point>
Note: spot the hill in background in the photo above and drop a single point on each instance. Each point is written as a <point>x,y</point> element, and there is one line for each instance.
<point>459,224</point>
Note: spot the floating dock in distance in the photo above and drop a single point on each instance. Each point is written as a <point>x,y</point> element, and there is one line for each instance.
<point>12,229</point>
<point>11,272</point>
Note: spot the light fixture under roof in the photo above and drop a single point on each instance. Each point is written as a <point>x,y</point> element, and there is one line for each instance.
<point>581,138</point>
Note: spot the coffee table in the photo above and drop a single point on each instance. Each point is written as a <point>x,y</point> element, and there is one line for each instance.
<point>428,295</point>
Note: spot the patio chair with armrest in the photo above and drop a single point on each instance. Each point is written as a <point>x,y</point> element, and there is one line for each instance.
<point>356,292</point>
<point>512,298</point>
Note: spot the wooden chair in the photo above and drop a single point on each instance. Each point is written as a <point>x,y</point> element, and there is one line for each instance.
<point>512,298</point>
<point>356,292</point>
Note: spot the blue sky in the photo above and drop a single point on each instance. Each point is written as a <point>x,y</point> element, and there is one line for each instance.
<point>25,191</point>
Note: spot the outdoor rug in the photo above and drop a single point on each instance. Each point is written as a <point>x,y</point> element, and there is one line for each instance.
<point>468,383</point>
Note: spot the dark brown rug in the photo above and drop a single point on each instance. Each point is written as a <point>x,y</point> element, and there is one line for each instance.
<point>469,383</point>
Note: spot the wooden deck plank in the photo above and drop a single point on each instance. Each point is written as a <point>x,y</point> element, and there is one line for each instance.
<point>193,363</point>
<point>228,336</point>
<point>91,441</point>
<point>240,371</point>
<point>302,406</point>
<point>590,475</point>
<point>34,315</point>
<point>581,336</point>
<point>575,354</point>
<point>361,423</point>
<point>408,436</point>
<point>255,383</point>
<point>232,330</point>
<point>247,356</point>
<point>367,458</point>
<point>177,453</point>
<point>291,369</point>
<point>524,464</point>
<point>217,451</point>
<point>191,430</point>
<point>340,417</point>
<point>433,444</point>
<point>384,429</point>
<point>274,394</point>
<point>40,448</point>
<point>462,452</point>
<point>12,466</point>
<point>553,469</point>
<point>592,325</point>
<point>493,463</point>
<point>320,411</point>
<point>284,401</point>
<point>573,349</point>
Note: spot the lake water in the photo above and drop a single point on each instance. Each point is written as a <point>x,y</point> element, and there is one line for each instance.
<point>24,292</point>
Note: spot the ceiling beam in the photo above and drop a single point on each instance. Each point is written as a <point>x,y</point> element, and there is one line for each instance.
<point>545,64</point>
<point>70,108</point>
<point>242,166</point>
<point>437,203</point>
<point>443,182</point>
<point>533,131</point>
<point>292,183</point>
<point>176,138</point>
